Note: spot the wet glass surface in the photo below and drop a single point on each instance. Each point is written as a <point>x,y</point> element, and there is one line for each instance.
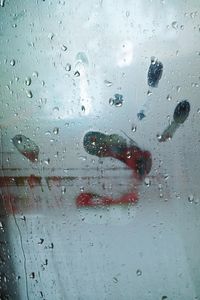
<point>99,150</point>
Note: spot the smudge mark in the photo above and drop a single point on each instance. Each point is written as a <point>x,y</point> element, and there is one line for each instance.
<point>155,72</point>
<point>89,199</point>
<point>102,145</point>
<point>26,147</point>
<point>34,181</point>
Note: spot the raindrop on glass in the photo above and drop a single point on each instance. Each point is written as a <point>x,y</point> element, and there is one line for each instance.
<point>190,198</point>
<point>166,176</point>
<point>29,94</point>
<point>138,272</point>
<point>35,74</point>
<point>117,100</point>
<point>108,83</point>
<point>28,81</point>
<point>128,155</point>
<point>19,140</point>
<point>63,190</point>
<point>63,48</point>
<point>147,181</point>
<point>50,36</point>
<point>141,115</point>
<point>115,280</point>
<point>2,3</point>
<point>169,98</point>
<point>133,128</point>
<point>56,109</point>
<point>149,93</point>
<point>47,161</point>
<point>12,62</point>
<point>175,25</point>
<point>56,130</point>
<point>68,67</point>
<point>77,74</point>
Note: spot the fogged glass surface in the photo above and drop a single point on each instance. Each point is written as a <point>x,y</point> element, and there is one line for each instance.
<point>99,152</point>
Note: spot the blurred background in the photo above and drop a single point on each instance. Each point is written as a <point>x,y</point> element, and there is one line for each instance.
<point>61,64</point>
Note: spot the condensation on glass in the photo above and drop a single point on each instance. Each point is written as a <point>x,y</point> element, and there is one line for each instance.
<point>99,149</point>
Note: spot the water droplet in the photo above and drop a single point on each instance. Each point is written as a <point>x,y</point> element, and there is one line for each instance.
<point>19,140</point>
<point>48,133</point>
<point>56,130</point>
<point>12,62</point>
<point>64,48</point>
<point>141,115</point>
<point>83,108</point>
<point>138,272</point>
<point>147,181</point>
<point>134,128</point>
<point>83,158</point>
<point>178,88</point>
<point>63,190</point>
<point>175,25</point>
<point>82,189</point>
<point>81,59</point>
<point>115,280</point>
<point>32,275</point>
<point>56,109</point>
<point>77,74</point>
<point>111,101</point>
<point>51,35</point>
<point>1,226</point>
<point>194,84</point>
<point>191,198</point>
<point>198,110</point>
<point>127,13</point>
<point>29,94</point>
<point>2,3</point>
<point>47,161</point>
<point>166,176</point>
<point>28,81</point>
<point>149,93</point>
<point>128,154</point>
<point>164,298</point>
<point>169,98</point>
<point>68,67</point>
<point>23,218</point>
<point>193,14</point>
<point>108,83</point>
<point>182,27</point>
<point>117,100</point>
<point>35,74</point>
